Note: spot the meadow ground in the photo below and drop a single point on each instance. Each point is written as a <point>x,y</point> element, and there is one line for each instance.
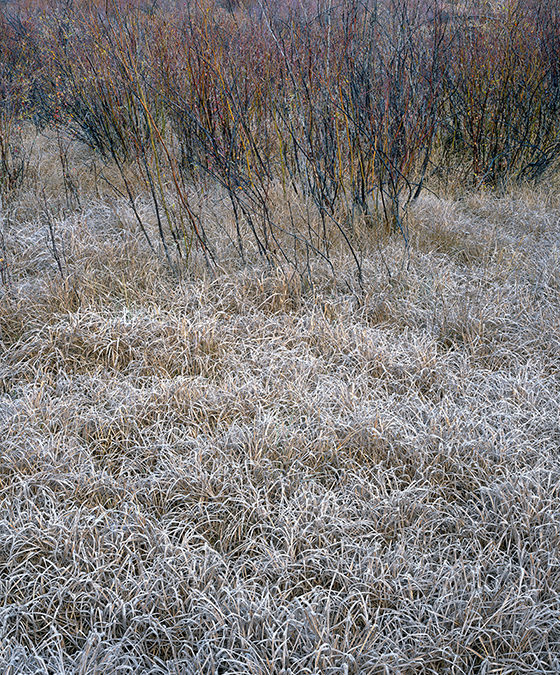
<point>237,474</point>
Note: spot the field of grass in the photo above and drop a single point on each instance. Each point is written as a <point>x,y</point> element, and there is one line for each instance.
<point>279,337</point>
<point>237,472</point>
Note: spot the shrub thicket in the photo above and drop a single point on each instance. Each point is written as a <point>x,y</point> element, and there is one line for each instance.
<point>357,105</point>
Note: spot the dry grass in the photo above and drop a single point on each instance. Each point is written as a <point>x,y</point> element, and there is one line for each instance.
<point>238,475</point>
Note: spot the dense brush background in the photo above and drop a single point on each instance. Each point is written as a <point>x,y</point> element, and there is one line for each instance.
<point>280,337</point>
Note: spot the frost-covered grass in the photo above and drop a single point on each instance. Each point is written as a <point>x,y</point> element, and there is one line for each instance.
<point>239,474</point>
